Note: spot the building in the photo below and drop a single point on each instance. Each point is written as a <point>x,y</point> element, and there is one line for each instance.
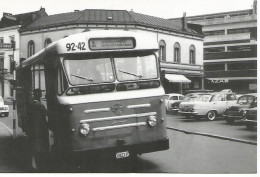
<point>181,48</point>
<point>230,49</point>
<point>9,45</point>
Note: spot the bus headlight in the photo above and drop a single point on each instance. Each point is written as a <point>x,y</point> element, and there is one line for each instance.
<point>84,129</point>
<point>152,121</point>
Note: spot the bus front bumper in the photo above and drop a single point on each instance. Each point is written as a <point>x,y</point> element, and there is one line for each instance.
<point>132,149</point>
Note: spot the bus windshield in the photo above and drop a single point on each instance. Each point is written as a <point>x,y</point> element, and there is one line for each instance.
<point>81,72</point>
<point>100,70</point>
<point>136,68</point>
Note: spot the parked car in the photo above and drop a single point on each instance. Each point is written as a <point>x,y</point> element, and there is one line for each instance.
<point>210,105</point>
<point>172,101</point>
<point>187,103</point>
<point>250,117</point>
<point>244,102</point>
<point>4,109</point>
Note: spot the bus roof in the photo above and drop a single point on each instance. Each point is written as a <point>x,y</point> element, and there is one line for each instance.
<point>83,43</point>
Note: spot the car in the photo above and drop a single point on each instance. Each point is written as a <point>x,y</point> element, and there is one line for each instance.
<point>187,103</point>
<point>210,105</point>
<point>250,117</point>
<point>4,109</point>
<point>172,101</point>
<point>244,102</point>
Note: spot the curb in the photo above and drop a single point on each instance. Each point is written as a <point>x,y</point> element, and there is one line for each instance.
<point>213,136</point>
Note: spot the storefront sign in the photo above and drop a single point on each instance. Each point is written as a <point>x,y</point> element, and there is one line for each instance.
<point>218,81</point>
<point>5,46</point>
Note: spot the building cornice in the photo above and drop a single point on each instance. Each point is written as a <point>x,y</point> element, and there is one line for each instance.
<point>10,28</point>
<point>112,26</point>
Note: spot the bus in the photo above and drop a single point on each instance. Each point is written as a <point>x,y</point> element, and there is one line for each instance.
<point>102,91</point>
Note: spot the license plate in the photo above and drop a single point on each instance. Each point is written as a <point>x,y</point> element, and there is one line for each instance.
<point>121,155</point>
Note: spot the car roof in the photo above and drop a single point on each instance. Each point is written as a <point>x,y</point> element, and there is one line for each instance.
<point>250,94</point>
<point>174,94</point>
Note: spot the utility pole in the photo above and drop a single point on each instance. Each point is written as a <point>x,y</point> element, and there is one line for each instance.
<point>13,70</point>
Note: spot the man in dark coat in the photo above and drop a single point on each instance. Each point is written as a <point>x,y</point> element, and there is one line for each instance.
<point>40,135</point>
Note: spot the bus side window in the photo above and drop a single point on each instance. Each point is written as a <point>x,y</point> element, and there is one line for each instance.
<point>38,80</point>
<point>62,82</point>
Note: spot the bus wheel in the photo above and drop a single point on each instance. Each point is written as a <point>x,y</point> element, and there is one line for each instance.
<point>211,115</point>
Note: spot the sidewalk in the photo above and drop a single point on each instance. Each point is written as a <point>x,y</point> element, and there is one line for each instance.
<point>12,156</point>
<point>5,150</point>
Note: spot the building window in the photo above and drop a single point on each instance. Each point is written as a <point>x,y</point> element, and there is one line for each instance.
<point>192,55</point>
<point>11,38</point>
<point>239,30</point>
<point>239,48</point>
<point>11,57</point>
<point>214,49</point>
<point>47,42</point>
<point>31,48</point>
<point>214,67</point>
<point>162,50</point>
<point>214,33</point>
<point>1,40</point>
<point>196,85</point>
<point>177,53</point>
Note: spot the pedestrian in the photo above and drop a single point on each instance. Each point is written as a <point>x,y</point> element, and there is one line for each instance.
<point>39,134</point>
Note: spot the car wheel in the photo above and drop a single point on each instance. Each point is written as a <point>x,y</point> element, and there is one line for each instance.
<point>230,120</point>
<point>6,114</point>
<point>211,115</point>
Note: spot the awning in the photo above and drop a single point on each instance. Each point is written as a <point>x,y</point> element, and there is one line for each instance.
<point>177,78</point>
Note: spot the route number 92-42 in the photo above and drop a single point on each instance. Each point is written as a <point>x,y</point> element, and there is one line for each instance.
<point>79,46</point>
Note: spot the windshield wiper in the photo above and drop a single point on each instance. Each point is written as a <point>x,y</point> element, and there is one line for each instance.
<point>81,77</point>
<point>139,76</point>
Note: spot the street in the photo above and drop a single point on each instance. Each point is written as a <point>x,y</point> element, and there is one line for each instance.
<point>188,153</point>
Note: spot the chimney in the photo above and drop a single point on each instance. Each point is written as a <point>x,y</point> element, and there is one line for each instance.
<point>184,22</point>
<point>7,14</point>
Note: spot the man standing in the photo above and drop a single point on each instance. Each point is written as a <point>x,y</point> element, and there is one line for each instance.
<point>39,134</point>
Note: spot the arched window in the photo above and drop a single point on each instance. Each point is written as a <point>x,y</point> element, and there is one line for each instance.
<point>192,55</point>
<point>31,48</point>
<point>162,50</point>
<point>177,53</point>
<point>47,42</point>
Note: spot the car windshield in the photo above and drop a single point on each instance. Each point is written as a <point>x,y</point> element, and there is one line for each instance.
<point>88,71</point>
<point>191,97</point>
<point>205,98</point>
<point>246,100</point>
<point>136,68</point>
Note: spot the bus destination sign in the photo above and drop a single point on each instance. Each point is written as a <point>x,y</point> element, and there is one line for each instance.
<point>111,43</point>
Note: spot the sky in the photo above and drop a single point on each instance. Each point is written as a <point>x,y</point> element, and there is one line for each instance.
<point>158,8</point>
